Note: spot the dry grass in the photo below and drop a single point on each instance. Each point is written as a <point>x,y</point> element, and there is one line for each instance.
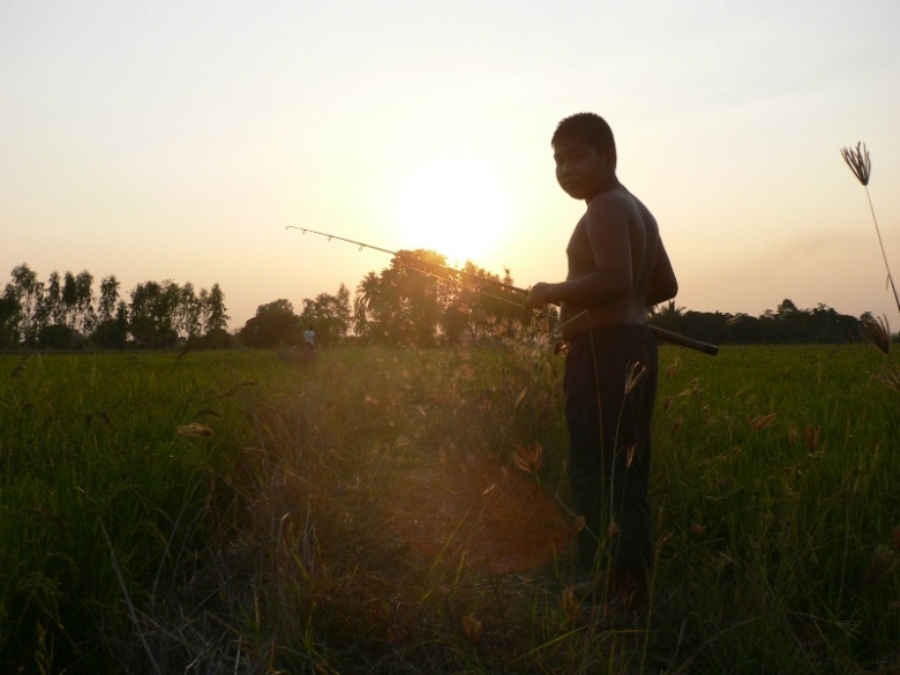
<point>877,331</point>
<point>858,160</point>
<point>393,511</point>
<point>861,166</point>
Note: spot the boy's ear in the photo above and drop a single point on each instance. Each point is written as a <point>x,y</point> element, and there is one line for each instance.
<point>611,157</point>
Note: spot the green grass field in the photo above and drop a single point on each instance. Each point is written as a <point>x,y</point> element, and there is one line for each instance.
<point>237,512</point>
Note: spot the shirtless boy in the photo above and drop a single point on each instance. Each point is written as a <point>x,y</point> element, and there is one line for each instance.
<point>617,268</point>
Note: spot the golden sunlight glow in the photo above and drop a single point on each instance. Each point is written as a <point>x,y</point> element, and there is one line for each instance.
<point>459,208</point>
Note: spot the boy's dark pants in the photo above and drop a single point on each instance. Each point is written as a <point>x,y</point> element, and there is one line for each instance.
<point>609,440</point>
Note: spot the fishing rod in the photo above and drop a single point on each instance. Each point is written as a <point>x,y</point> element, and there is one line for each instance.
<point>662,334</point>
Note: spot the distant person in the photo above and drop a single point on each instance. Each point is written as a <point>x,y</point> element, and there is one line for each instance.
<point>309,343</point>
<point>617,268</point>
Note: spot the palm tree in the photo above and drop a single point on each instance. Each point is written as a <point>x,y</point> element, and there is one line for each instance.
<point>367,292</point>
<point>669,310</point>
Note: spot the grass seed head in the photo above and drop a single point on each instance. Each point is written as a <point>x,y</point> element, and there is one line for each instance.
<point>636,372</point>
<point>529,459</point>
<point>760,422</point>
<point>858,161</point>
<point>811,438</point>
<point>629,459</point>
<point>194,430</point>
<point>673,367</point>
<point>472,626</point>
<point>520,398</point>
<point>877,331</point>
<point>571,606</point>
<point>578,525</point>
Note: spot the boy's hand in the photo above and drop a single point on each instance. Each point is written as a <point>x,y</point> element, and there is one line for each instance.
<point>541,294</point>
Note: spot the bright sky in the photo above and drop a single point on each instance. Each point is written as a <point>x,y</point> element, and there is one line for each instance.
<point>177,140</point>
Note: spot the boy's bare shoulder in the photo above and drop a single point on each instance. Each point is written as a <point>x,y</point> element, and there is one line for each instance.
<point>612,205</point>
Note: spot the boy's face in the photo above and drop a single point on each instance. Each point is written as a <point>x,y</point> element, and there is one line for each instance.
<point>583,172</point>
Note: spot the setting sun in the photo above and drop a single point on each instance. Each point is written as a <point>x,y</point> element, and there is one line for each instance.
<point>459,208</point>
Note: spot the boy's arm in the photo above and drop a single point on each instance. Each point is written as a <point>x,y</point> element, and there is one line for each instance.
<point>663,284</point>
<point>606,224</point>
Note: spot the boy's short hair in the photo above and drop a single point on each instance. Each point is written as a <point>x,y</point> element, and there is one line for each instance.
<point>588,128</point>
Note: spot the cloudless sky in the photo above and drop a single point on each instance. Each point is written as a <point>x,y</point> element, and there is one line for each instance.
<point>177,140</point>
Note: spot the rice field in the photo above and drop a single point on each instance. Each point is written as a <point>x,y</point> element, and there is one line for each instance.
<point>398,511</point>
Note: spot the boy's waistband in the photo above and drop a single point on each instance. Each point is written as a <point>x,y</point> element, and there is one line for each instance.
<point>611,331</point>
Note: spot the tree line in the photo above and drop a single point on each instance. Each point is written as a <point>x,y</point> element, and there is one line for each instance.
<point>787,324</point>
<point>417,300</point>
<point>64,312</point>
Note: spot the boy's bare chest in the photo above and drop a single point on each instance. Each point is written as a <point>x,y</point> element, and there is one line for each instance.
<point>579,254</point>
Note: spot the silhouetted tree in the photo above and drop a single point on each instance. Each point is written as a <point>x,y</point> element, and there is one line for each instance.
<point>329,315</point>
<point>85,318</point>
<point>215,318</point>
<point>788,324</point>
<point>215,313</point>
<point>275,323</point>
<point>10,316</point>
<point>151,319</point>
<point>55,336</point>
<point>50,310</point>
<point>69,299</point>
<point>112,333</point>
<point>109,298</point>
<point>39,315</point>
<point>188,313</point>
<point>364,304</point>
<point>418,299</point>
<point>493,311</point>
<point>408,301</point>
<point>27,291</point>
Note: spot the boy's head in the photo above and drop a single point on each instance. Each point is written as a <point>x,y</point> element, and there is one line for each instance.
<point>585,154</point>
<point>586,128</point>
